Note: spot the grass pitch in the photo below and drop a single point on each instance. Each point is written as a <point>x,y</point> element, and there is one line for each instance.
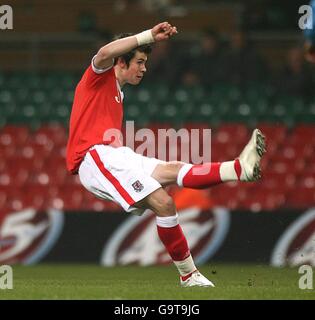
<point>153,283</point>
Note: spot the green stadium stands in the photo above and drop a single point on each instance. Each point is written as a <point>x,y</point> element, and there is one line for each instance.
<point>48,98</point>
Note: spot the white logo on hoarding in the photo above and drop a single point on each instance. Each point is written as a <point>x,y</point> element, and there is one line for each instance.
<point>146,248</point>
<point>296,246</point>
<point>26,236</point>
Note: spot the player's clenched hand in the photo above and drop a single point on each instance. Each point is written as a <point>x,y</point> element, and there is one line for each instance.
<point>163,31</point>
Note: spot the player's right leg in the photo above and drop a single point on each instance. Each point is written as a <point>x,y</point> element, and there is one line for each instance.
<point>173,238</point>
<point>245,168</point>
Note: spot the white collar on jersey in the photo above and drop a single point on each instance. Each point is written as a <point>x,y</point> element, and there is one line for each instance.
<point>119,90</point>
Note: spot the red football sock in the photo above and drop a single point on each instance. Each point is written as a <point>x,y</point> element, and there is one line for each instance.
<point>208,174</point>
<point>175,242</point>
<point>173,238</point>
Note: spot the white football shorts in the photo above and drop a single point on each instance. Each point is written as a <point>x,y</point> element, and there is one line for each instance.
<point>119,175</point>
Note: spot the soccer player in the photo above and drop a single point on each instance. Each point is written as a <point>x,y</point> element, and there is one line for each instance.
<point>309,35</point>
<point>117,173</point>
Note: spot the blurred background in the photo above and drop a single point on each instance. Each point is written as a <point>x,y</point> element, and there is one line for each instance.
<point>234,65</point>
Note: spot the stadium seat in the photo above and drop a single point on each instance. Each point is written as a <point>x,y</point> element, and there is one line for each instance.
<point>36,151</point>
<point>14,177</point>
<point>261,200</point>
<point>281,164</point>
<point>17,161</point>
<point>6,97</point>
<point>8,151</point>
<point>273,132</point>
<point>225,133</point>
<point>55,132</point>
<point>3,197</point>
<point>33,199</point>
<point>277,180</point>
<point>304,132</point>
<point>306,180</point>
<point>230,194</point>
<point>310,167</point>
<point>93,203</point>
<point>206,110</point>
<point>14,201</point>
<point>54,176</point>
<point>72,180</point>
<point>297,149</point>
<point>72,198</point>
<point>16,135</point>
<point>224,151</point>
<point>3,164</point>
<point>303,199</point>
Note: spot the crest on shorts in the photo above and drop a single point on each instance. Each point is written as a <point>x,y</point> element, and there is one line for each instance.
<point>138,186</point>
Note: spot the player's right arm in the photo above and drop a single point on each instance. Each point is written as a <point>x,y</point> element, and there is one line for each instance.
<point>105,56</point>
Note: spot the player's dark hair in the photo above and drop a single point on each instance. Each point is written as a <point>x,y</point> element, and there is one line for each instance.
<point>129,55</point>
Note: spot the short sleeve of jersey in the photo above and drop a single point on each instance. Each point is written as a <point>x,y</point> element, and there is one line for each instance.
<point>95,76</point>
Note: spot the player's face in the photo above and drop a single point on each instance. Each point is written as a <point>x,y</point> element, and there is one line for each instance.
<point>137,68</point>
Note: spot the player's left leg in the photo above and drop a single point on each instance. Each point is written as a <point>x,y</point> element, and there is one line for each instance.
<point>173,238</point>
<point>245,168</point>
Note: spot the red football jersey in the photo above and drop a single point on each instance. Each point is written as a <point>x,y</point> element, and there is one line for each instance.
<point>97,107</point>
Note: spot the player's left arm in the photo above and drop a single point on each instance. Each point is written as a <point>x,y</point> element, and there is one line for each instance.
<point>105,56</point>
